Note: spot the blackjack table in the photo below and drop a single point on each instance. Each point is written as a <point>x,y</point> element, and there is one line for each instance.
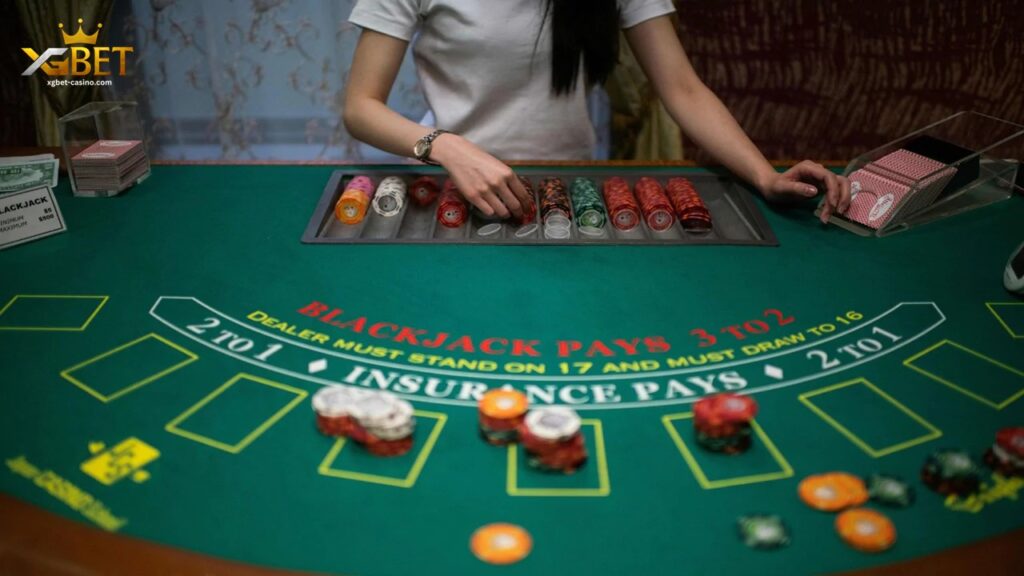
<point>158,361</point>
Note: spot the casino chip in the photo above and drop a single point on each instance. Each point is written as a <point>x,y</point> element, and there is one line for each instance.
<point>833,491</point>
<point>501,543</point>
<point>587,204</point>
<point>381,422</point>
<point>501,412</point>
<point>690,209</point>
<point>424,191</point>
<point>354,200</point>
<point>654,204</point>
<point>951,472</point>
<point>622,205</point>
<point>866,530</point>
<point>553,440</point>
<point>451,206</point>
<point>763,532</point>
<point>1006,455</point>
<point>890,491</point>
<point>390,197</point>
<point>721,422</point>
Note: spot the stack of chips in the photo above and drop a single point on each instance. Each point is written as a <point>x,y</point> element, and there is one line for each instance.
<point>951,472</point>
<point>107,167</point>
<point>530,207</point>
<point>501,413</point>
<point>654,204</point>
<point>390,197</point>
<point>379,421</point>
<point>832,491</point>
<point>555,211</point>
<point>424,191</point>
<point>690,209</point>
<point>622,206</point>
<point>1006,456</point>
<point>866,530</point>
<point>586,204</point>
<point>891,491</point>
<point>451,206</point>
<point>763,531</point>
<point>553,440</point>
<point>355,199</point>
<point>722,422</point>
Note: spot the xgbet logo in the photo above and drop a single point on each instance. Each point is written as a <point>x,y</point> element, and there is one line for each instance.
<point>81,56</point>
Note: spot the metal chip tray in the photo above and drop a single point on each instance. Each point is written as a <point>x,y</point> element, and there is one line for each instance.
<point>736,218</point>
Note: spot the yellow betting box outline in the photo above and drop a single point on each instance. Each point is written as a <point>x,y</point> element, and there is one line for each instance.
<point>604,486</point>
<point>909,363</point>
<point>414,472</point>
<point>872,451</point>
<point>991,308</point>
<point>66,373</point>
<point>174,426</point>
<point>84,325</point>
<point>785,470</point>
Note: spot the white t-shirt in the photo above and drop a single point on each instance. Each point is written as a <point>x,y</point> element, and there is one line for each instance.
<point>483,79</point>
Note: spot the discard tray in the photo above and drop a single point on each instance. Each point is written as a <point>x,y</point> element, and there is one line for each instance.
<point>735,216</point>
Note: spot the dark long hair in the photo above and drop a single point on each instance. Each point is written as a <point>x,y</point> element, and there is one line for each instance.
<point>582,31</point>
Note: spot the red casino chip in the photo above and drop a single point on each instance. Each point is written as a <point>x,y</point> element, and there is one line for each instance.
<point>724,409</point>
<point>451,207</point>
<point>622,206</point>
<point>530,208</point>
<point>553,199</point>
<point>655,205</point>
<point>690,209</point>
<point>1011,440</point>
<point>424,191</point>
<point>379,447</point>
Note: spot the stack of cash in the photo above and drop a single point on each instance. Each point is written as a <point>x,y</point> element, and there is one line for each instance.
<point>24,172</point>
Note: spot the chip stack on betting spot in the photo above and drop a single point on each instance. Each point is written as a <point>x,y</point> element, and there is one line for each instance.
<point>354,201</point>
<point>763,531</point>
<point>379,421</point>
<point>1006,455</point>
<point>501,413</point>
<point>832,491</point>
<point>553,440</point>
<point>722,422</point>
<point>390,197</point>
<point>951,472</point>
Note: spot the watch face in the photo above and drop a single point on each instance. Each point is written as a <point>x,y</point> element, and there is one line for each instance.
<point>421,149</point>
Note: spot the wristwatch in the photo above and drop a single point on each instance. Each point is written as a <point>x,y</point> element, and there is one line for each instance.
<point>422,147</point>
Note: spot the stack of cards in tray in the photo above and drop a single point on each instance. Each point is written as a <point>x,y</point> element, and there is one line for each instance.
<point>1006,455</point>
<point>379,421</point>
<point>900,181</point>
<point>553,440</point>
<point>721,422</point>
<point>107,167</point>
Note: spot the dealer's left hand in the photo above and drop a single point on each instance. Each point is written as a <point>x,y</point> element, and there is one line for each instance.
<point>804,181</point>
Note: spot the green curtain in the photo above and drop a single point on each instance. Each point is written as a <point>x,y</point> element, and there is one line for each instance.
<point>641,127</point>
<point>40,19</point>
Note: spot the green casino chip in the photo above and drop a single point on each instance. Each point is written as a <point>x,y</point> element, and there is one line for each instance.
<point>763,531</point>
<point>587,203</point>
<point>890,491</point>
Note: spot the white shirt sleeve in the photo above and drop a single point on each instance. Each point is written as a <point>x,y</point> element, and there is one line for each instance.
<point>397,18</point>
<point>633,12</point>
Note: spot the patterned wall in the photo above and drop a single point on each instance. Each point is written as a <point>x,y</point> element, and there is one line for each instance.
<point>830,80</point>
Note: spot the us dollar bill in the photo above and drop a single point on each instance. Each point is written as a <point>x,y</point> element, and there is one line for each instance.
<point>22,172</point>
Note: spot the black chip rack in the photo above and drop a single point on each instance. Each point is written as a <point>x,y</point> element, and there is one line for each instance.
<point>736,217</point>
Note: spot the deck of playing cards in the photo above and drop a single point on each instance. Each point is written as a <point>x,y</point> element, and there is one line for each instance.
<point>107,167</point>
<point>899,182</point>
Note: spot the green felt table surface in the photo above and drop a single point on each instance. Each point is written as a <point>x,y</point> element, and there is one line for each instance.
<point>864,354</point>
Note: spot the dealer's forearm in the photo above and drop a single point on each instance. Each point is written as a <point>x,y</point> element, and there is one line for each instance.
<point>708,123</point>
<point>372,122</point>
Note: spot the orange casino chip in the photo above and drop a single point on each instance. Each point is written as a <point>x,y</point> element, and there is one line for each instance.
<point>504,404</point>
<point>856,490</point>
<point>866,530</point>
<point>501,543</point>
<point>825,492</point>
<point>352,205</point>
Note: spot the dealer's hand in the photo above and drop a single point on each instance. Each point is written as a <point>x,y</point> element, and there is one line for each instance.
<point>804,181</point>
<point>485,181</point>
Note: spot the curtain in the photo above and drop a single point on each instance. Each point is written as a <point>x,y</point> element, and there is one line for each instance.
<point>40,19</point>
